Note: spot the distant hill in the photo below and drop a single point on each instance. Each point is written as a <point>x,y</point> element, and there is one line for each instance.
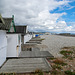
<point>66,34</point>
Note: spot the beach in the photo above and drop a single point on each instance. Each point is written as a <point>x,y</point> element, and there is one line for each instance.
<point>56,42</point>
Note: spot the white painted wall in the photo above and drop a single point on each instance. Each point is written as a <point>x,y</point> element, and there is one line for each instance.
<point>3,46</point>
<point>14,45</point>
<point>33,35</point>
<point>26,29</point>
<point>27,37</point>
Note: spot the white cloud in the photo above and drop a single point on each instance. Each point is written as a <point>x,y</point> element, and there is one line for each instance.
<point>35,13</point>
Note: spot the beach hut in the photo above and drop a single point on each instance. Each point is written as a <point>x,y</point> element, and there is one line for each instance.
<point>13,41</point>
<point>14,44</point>
<point>3,40</point>
<point>25,36</point>
<point>8,24</point>
<point>22,30</point>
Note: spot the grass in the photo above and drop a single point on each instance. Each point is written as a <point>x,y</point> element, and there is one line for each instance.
<point>57,67</point>
<point>71,48</point>
<point>66,47</point>
<point>38,72</point>
<point>59,62</point>
<point>7,74</point>
<point>54,72</point>
<point>41,39</point>
<point>67,54</point>
<point>68,72</point>
<point>51,58</point>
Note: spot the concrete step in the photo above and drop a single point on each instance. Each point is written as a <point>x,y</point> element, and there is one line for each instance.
<point>23,65</point>
<point>34,42</point>
<point>35,54</point>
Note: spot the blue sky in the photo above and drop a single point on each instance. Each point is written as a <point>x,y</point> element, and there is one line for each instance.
<point>41,15</point>
<point>70,16</point>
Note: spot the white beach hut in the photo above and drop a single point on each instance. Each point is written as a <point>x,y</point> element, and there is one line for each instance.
<point>3,41</point>
<point>25,36</point>
<point>14,44</point>
<point>13,41</point>
<point>3,46</point>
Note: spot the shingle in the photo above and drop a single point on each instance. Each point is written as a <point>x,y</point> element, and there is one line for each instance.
<point>2,26</point>
<point>7,23</point>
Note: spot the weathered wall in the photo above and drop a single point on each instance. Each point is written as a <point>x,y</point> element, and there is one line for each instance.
<point>14,45</point>
<point>3,46</point>
<point>27,37</point>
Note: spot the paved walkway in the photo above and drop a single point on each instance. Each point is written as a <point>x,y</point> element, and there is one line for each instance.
<point>35,54</point>
<point>38,42</point>
<point>24,65</point>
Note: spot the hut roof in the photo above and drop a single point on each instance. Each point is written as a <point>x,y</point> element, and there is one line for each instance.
<point>21,29</point>
<point>7,23</point>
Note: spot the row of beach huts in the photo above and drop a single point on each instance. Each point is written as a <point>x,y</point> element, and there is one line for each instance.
<point>11,38</point>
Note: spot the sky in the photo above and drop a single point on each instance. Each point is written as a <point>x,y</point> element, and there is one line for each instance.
<point>41,15</point>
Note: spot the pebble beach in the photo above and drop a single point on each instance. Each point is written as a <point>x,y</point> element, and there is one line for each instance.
<point>56,42</point>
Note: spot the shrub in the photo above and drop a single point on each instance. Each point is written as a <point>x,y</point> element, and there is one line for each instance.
<point>39,72</point>
<point>41,39</point>
<point>59,62</point>
<point>7,74</point>
<point>66,52</point>
<point>66,47</point>
<point>52,58</point>
<point>54,72</point>
<point>68,72</point>
<point>56,67</point>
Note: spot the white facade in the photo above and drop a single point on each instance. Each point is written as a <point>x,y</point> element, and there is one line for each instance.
<point>27,37</point>
<point>33,35</point>
<point>26,29</point>
<point>3,46</point>
<point>14,45</point>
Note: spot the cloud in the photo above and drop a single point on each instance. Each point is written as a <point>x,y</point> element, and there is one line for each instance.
<point>71,27</point>
<point>35,13</point>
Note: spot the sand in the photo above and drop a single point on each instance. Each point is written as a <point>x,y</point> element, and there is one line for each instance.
<point>56,42</point>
